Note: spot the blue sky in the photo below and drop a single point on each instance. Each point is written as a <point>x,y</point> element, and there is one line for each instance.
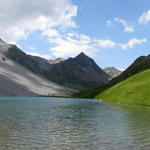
<point>112,32</point>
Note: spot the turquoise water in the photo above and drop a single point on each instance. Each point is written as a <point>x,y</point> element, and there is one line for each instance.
<point>72,124</point>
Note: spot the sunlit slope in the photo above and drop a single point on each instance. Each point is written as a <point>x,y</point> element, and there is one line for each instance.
<point>134,90</point>
<point>16,80</point>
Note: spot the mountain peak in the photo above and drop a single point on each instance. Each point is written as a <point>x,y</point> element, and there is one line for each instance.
<point>82,53</point>
<point>57,60</point>
<point>2,42</point>
<point>82,56</point>
<point>112,72</point>
<point>4,45</point>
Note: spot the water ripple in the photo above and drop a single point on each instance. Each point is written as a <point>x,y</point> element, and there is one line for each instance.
<point>72,124</point>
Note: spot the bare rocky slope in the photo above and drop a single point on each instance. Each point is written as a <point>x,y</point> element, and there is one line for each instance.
<point>80,72</point>
<point>112,72</point>
<point>16,80</point>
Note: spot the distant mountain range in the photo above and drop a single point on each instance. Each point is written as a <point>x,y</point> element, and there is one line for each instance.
<point>57,60</point>
<point>112,72</point>
<point>80,72</point>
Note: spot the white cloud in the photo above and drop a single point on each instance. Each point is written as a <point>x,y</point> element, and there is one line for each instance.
<point>133,42</point>
<point>18,18</point>
<point>72,44</point>
<point>127,28</point>
<point>145,18</point>
<point>50,33</point>
<point>109,23</point>
<point>105,43</point>
<point>39,55</point>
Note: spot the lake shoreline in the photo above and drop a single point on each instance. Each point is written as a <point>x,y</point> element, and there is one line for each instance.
<point>128,104</point>
<point>45,96</point>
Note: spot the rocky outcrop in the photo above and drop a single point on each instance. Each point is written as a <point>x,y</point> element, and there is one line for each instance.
<point>112,72</point>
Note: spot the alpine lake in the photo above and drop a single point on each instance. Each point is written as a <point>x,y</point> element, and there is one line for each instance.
<point>42,123</point>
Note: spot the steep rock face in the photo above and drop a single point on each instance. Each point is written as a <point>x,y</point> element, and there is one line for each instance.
<point>22,58</point>
<point>41,62</point>
<point>80,71</point>
<point>4,46</point>
<point>17,80</point>
<point>112,72</point>
<point>15,54</point>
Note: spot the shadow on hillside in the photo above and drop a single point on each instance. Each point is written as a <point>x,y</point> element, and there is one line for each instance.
<point>10,88</point>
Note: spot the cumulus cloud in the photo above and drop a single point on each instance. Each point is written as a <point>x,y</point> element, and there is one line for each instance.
<point>145,18</point>
<point>19,17</point>
<point>39,55</point>
<point>73,43</point>
<point>133,42</point>
<point>106,43</point>
<point>127,28</point>
<point>48,16</point>
<point>50,33</point>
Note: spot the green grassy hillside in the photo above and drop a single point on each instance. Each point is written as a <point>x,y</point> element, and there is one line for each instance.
<point>134,90</point>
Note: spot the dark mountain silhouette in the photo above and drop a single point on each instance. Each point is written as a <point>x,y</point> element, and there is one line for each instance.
<point>79,72</point>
